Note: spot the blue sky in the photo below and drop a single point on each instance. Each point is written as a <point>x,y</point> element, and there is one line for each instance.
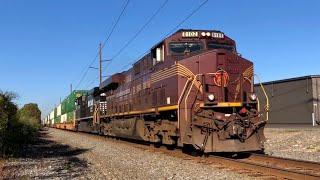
<point>46,45</point>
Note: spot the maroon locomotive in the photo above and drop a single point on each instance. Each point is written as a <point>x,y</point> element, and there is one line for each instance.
<point>192,89</point>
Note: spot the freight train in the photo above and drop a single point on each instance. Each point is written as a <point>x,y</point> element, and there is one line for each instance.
<point>191,90</point>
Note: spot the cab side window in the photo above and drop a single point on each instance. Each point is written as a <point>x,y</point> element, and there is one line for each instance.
<point>157,54</point>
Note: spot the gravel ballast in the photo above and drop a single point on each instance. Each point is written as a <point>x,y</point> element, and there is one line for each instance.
<point>68,155</point>
<point>86,157</point>
<point>302,144</point>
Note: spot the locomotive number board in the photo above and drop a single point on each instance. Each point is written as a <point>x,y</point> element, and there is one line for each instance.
<point>189,34</point>
<point>217,35</point>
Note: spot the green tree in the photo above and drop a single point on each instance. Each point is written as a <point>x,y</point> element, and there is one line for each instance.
<point>31,113</point>
<point>30,118</point>
<point>8,118</point>
<point>17,127</point>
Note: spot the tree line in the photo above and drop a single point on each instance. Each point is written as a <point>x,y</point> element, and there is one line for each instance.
<point>17,126</point>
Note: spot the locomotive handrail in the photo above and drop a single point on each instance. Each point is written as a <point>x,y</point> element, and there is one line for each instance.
<point>179,101</point>
<point>267,98</point>
<point>186,98</point>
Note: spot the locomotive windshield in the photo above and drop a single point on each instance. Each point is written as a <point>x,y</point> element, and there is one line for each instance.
<point>185,47</point>
<point>212,45</point>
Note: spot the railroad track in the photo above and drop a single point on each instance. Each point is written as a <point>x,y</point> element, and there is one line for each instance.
<point>264,165</point>
<point>254,165</point>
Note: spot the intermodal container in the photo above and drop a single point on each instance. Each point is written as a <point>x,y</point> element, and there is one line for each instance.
<point>55,112</point>
<point>68,104</point>
<point>52,115</point>
<point>63,107</point>
<point>57,119</point>
<point>59,110</point>
<point>70,100</point>
<point>71,116</point>
<point>63,118</point>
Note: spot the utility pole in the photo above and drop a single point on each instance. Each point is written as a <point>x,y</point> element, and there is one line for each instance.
<point>100,63</point>
<point>70,88</point>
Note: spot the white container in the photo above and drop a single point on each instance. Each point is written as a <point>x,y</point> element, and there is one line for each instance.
<point>59,110</point>
<point>52,115</point>
<point>63,118</point>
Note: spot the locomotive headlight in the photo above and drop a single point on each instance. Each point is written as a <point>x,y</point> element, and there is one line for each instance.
<point>208,34</point>
<point>211,97</point>
<point>203,34</point>
<point>253,97</point>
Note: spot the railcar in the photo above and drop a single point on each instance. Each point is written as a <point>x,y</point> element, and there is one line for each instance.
<point>88,106</point>
<point>63,116</point>
<point>191,89</point>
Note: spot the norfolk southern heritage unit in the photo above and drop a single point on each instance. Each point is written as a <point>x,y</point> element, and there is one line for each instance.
<point>191,90</point>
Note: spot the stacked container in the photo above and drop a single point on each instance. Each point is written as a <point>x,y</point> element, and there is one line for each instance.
<point>68,106</point>
<point>51,120</point>
<point>65,112</point>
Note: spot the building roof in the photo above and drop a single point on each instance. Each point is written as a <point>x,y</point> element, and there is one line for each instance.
<point>289,80</point>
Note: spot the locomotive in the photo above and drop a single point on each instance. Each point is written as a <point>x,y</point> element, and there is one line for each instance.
<point>191,90</point>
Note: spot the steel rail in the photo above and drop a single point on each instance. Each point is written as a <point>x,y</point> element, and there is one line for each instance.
<point>305,165</point>
<point>264,169</point>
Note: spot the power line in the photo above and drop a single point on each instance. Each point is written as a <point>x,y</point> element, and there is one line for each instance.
<point>141,29</point>
<point>116,23</point>
<point>118,19</point>
<point>92,82</point>
<point>194,11</point>
<point>144,26</point>
<point>143,54</point>
<point>186,18</point>
<point>86,72</point>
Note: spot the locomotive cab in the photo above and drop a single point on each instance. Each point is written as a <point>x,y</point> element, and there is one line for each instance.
<point>217,106</point>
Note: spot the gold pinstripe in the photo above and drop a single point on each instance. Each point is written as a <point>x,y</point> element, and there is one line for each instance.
<point>247,74</point>
<point>176,69</point>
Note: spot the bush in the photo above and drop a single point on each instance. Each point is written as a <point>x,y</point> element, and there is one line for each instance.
<point>30,111</point>
<point>17,127</point>
<point>8,118</point>
<point>30,117</point>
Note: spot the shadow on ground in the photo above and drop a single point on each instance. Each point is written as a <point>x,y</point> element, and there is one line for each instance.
<point>45,159</point>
